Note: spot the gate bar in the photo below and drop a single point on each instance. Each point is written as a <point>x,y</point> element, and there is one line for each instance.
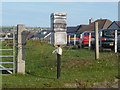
<point>6,56</point>
<point>6,49</point>
<point>6,69</point>
<point>7,38</point>
<point>6,62</point>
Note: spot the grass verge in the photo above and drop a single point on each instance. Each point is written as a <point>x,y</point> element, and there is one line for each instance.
<point>79,69</point>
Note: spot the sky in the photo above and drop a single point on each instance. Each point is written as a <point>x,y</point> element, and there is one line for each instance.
<point>59,0</point>
<point>37,14</point>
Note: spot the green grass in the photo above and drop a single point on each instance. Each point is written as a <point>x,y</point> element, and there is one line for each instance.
<point>79,69</point>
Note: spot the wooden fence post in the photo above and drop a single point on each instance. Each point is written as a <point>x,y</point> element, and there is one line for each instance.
<point>96,41</point>
<point>20,55</point>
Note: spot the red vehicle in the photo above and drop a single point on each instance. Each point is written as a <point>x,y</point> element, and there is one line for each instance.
<point>84,40</point>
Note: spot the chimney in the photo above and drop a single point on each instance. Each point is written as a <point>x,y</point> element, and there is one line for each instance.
<point>91,20</point>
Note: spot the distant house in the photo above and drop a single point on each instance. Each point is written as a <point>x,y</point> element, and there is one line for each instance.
<point>41,34</point>
<point>102,24</point>
<point>30,35</point>
<point>114,25</point>
<point>38,34</point>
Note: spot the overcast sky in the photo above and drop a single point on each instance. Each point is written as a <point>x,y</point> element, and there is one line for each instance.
<point>38,13</point>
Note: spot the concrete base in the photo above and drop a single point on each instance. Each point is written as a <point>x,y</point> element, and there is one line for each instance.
<point>21,67</point>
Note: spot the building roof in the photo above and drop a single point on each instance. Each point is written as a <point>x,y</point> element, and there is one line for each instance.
<point>72,29</point>
<point>118,23</point>
<point>115,22</point>
<point>102,24</point>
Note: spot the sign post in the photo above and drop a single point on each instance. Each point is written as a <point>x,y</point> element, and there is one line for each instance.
<point>58,65</point>
<point>59,35</point>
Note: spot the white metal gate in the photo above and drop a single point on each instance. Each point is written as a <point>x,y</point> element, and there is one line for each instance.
<point>7,65</point>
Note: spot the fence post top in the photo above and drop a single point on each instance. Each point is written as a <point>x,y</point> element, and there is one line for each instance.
<point>20,24</point>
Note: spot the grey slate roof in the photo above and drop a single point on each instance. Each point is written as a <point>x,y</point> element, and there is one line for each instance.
<point>72,29</point>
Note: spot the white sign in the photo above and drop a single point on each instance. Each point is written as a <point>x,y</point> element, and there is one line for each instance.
<point>59,38</point>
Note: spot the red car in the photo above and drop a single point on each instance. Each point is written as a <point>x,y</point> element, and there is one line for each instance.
<point>84,40</point>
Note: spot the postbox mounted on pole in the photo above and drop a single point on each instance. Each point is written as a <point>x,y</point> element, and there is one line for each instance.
<point>58,28</point>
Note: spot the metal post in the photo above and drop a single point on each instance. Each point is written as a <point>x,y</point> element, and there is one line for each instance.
<point>74,39</point>
<point>69,39</point>
<point>101,40</point>
<point>58,65</point>
<point>96,41</point>
<point>80,36</point>
<point>89,41</point>
<point>115,41</point>
<point>59,53</point>
<point>20,56</point>
<point>14,43</point>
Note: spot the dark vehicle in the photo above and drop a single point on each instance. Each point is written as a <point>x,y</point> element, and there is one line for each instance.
<point>118,43</point>
<point>72,39</point>
<point>107,38</point>
<point>84,40</point>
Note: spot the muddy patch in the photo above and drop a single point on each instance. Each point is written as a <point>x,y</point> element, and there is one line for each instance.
<point>78,62</point>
